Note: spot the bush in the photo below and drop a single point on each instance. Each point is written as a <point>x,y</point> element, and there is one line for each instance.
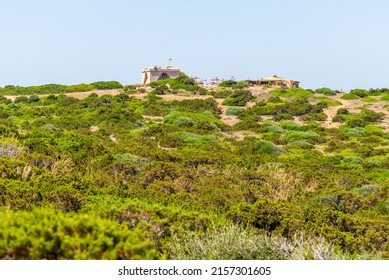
<point>353,162</point>
<point>238,98</point>
<point>369,99</point>
<point>33,98</point>
<point>184,122</point>
<point>234,111</point>
<point>232,242</point>
<point>265,147</point>
<point>301,144</point>
<point>365,190</point>
<point>227,83</point>
<point>289,125</point>
<point>354,132</point>
<point>349,96</point>
<point>21,99</point>
<point>224,93</point>
<point>46,234</point>
<point>188,119</point>
<point>160,90</point>
<point>339,118</point>
<point>301,135</point>
<point>107,85</point>
<point>326,91</point>
<point>359,92</point>
<point>385,97</point>
<point>274,99</point>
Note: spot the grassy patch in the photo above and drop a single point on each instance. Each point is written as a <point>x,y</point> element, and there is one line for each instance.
<point>369,99</point>
<point>349,96</point>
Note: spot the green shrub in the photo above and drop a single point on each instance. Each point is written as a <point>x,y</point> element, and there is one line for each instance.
<point>339,118</point>
<point>374,130</point>
<point>269,127</point>
<point>265,147</point>
<point>234,111</point>
<point>184,122</point>
<point>353,162</point>
<point>232,242</point>
<point>296,93</point>
<point>349,96</point>
<point>21,99</point>
<point>329,200</point>
<point>359,92</point>
<point>188,119</point>
<point>224,93</point>
<point>371,116</point>
<point>369,99</point>
<point>160,90</point>
<point>385,97</point>
<point>301,135</point>
<point>365,190</point>
<point>238,98</point>
<point>198,105</point>
<point>46,234</point>
<point>274,99</point>
<point>326,91</point>
<point>372,163</point>
<point>129,158</point>
<point>33,98</point>
<point>79,88</point>
<point>289,125</point>
<point>354,132</point>
<point>107,85</point>
<point>227,83</point>
<point>301,144</point>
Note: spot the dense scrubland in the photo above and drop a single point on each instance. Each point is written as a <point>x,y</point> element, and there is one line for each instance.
<point>140,176</point>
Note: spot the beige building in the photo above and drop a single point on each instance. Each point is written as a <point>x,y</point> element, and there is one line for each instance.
<point>279,81</point>
<point>152,74</point>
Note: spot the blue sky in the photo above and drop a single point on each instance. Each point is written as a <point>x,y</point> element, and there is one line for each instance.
<point>339,44</point>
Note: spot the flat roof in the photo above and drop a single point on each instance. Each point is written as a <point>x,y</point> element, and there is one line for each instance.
<point>164,68</point>
<point>276,78</point>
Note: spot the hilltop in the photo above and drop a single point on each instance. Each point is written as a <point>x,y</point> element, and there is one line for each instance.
<point>175,169</point>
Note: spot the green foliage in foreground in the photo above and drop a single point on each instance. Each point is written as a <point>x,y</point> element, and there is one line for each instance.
<point>235,243</point>
<point>47,234</point>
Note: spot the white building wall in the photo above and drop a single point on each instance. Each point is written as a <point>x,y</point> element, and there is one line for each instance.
<point>152,74</point>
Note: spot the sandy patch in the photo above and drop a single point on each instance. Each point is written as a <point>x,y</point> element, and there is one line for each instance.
<point>113,138</point>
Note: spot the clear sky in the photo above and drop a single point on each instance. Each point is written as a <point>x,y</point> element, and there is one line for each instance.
<point>334,43</point>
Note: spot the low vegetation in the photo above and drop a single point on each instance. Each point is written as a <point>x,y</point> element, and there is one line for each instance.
<point>57,89</point>
<point>120,177</point>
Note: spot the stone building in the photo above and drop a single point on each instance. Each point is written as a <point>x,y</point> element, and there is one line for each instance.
<point>152,74</point>
<point>279,81</point>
